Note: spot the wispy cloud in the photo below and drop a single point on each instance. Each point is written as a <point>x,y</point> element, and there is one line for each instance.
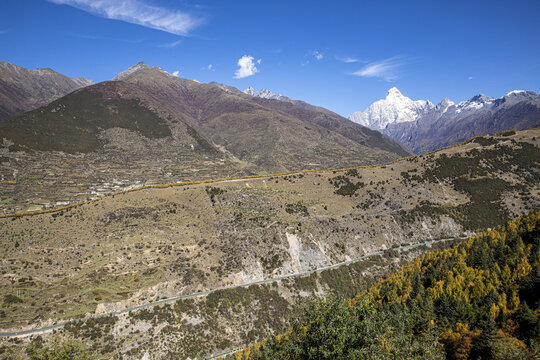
<point>138,12</point>
<point>246,67</point>
<point>5,31</point>
<point>387,69</point>
<point>208,67</point>
<point>350,60</point>
<point>170,45</point>
<point>176,73</point>
<point>95,37</point>
<point>471,78</point>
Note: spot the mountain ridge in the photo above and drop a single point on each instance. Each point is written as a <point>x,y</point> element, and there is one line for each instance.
<point>420,126</point>
<point>480,115</point>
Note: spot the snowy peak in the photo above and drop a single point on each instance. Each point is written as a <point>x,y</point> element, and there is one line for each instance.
<point>449,123</point>
<point>475,103</point>
<point>395,108</point>
<point>265,94</point>
<point>132,69</point>
<point>394,93</point>
<point>481,98</point>
<point>515,94</point>
<point>444,105</point>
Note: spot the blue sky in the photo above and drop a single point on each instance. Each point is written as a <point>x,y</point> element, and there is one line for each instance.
<point>342,55</point>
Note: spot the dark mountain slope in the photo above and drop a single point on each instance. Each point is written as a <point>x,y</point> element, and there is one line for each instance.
<point>73,123</point>
<point>265,133</point>
<point>334,122</point>
<point>26,89</point>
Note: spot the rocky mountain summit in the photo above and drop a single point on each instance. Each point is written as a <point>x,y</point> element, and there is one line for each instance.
<point>265,94</point>
<point>132,69</point>
<point>24,89</point>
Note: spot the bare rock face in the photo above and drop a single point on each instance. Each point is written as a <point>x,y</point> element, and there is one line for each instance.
<point>26,89</point>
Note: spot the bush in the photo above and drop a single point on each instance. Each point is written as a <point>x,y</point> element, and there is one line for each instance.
<point>12,299</point>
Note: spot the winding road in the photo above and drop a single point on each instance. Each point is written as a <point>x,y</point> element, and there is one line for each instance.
<point>50,328</point>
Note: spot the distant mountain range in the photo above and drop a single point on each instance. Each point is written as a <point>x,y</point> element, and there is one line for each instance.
<point>417,124</point>
<point>26,89</point>
<point>421,126</point>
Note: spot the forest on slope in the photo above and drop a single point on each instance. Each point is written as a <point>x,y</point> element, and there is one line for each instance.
<point>478,300</point>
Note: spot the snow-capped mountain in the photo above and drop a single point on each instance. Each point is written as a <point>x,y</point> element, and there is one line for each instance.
<point>449,123</point>
<point>265,94</point>
<point>139,66</point>
<point>395,108</point>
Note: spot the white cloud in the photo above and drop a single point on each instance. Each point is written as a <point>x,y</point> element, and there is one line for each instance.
<point>386,69</point>
<point>176,73</point>
<point>318,55</point>
<point>471,78</point>
<point>247,67</point>
<point>138,12</point>
<point>349,60</point>
<point>171,45</point>
<point>209,67</point>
